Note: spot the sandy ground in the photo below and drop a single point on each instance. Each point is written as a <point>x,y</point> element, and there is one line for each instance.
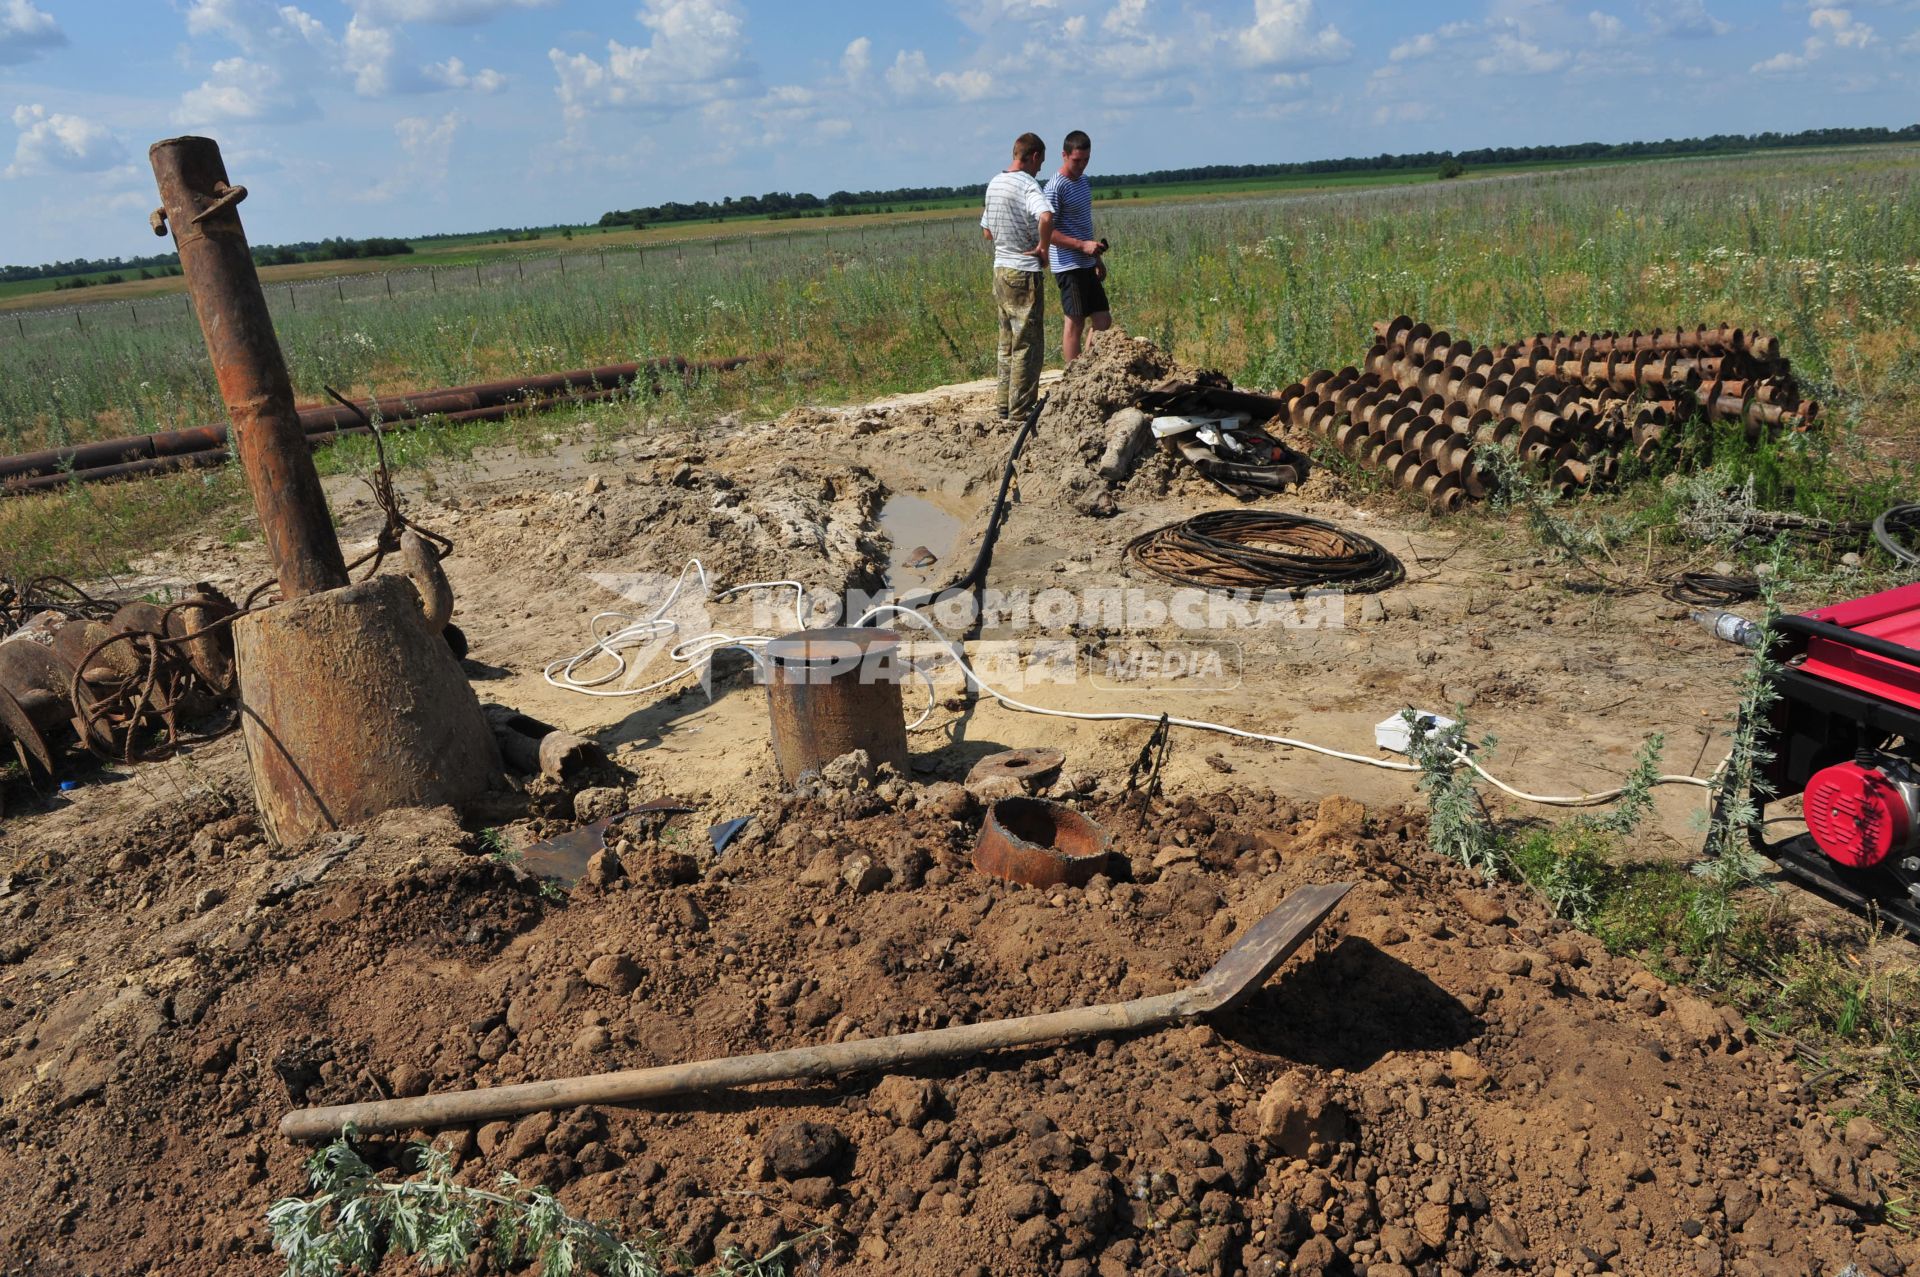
<point>1453,1082</point>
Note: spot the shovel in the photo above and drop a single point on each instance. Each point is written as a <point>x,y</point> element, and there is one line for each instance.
<point>1240,971</point>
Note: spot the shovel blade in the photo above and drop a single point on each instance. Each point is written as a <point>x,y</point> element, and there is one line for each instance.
<point>1246,966</point>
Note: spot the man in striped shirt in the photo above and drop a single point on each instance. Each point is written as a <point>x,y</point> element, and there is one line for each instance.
<point>1019,223</point>
<point>1076,254</point>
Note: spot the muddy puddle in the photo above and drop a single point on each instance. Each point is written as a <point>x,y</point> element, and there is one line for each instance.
<point>921,538</point>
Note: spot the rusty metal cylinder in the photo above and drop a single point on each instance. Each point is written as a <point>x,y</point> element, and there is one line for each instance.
<point>351,706</point>
<point>831,691</point>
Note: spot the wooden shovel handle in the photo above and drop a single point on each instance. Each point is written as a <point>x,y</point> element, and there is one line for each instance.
<point>462,1108</point>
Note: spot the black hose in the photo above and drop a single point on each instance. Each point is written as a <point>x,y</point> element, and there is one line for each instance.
<point>976,576</point>
<point>1265,552</point>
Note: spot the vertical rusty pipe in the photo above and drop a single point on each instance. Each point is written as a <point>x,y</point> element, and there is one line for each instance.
<point>201,207</point>
<point>830,691</point>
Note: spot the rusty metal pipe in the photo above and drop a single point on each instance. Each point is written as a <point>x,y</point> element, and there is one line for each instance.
<point>832,691</point>
<point>482,401</point>
<point>204,211</point>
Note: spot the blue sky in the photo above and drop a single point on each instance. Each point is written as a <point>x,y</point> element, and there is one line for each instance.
<point>361,117</point>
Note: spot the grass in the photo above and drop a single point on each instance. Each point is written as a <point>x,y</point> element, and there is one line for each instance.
<point>480,246</point>
<point>1817,247</point>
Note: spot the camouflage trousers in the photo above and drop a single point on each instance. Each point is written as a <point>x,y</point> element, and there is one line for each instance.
<point>1021,295</point>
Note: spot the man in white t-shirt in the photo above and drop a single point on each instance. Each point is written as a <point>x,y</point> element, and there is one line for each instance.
<point>1020,225</point>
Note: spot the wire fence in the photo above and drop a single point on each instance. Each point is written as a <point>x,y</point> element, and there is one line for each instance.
<point>294,297</point>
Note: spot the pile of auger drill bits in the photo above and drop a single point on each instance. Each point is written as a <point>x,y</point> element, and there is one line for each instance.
<point>1568,407</point>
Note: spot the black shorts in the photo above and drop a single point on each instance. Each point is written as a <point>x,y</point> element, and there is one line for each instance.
<point>1081,293</point>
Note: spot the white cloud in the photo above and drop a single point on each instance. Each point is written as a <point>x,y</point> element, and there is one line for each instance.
<point>257,25</point>
<point>1783,62</point>
<point>1513,56</point>
<point>1911,44</point>
<point>1606,26</point>
<point>55,143</point>
<point>1424,45</point>
<point>1409,112</point>
<point>240,89</point>
<point>25,31</point>
<point>857,60</point>
<point>445,12</point>
<point>428,144</point>
<point>368,53</point>
<point>1287,33</point>
<point>453,74</point>
<point>696,55</point>
<point>1845,32</point>
<point>997,15</point>
<point>1428,43</point>
<point>1684,18</point>
<point>910,80</point>
<point>1125,18</point>
<point>1832,28</point>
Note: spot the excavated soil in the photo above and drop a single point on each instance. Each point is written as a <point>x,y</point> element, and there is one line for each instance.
<point>1445,1081</point>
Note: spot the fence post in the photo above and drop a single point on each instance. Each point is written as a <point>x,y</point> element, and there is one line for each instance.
<point>476,274</point>
<point>133,315</point>
<point>388,276</point>
<point>77,323</point>
<point>562,259</point>
<point>338,295</point>
<point>433,275</point>
<point>293,299</point>
<point>522,264</point>
<point>22,327</point>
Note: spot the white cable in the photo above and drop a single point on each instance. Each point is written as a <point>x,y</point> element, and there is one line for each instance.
<point>692,653</point>
<point>1386,764</point>
<point>1586,800</point>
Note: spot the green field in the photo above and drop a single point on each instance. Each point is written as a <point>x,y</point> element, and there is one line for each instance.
<point>1819,248</point>
<point>484,246</point>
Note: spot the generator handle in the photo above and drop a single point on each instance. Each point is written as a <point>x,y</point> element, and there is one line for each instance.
<point>1872,645</point>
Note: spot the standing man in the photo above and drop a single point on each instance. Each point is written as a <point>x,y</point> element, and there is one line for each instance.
<point>1077,267</point>
<point>1020,225</point>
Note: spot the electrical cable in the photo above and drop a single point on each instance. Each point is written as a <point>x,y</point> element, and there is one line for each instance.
<point>1386,764</point>
<point>976,575</point>
<point>1897,530</point>
<point>691,652</point>
<point>1265,551</point>
<point>690,655</point>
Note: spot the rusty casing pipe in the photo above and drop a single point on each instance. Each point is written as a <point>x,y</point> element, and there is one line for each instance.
<point>832,691</point>
<point>139,454</point>
<point>203,210</point>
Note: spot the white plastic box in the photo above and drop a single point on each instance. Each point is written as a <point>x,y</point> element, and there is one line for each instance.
<point>1396,733</point>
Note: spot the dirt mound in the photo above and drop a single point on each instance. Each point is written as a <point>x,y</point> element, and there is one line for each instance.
<point>1060,464</point>
<point>1446,1081</point>
<point>748,515</point>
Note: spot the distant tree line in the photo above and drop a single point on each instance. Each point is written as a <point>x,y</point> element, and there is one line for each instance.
<point>84,266</point>
<point>785,204</point>
<point>329,250</point>
<point>73,274</point>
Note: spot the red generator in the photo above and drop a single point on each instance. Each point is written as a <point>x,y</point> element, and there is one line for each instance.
<point>1845,735</point>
